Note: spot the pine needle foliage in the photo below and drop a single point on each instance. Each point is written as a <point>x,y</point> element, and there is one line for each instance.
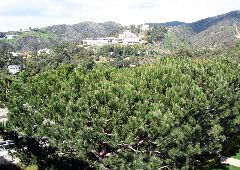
<point>149,117</point>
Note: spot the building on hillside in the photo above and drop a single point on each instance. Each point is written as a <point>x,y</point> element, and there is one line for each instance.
<point>129,38</point>
<point>10,36</point>
<point>126,38</point>
<point>25,30</point>
<point>44,51</point>
<point>3,112</point>
<point>16,54</point>
<point>111,53</point>
<point>102,41</point>
<point>3,115</point>
<point>14,69</point>
<point>145,27</point>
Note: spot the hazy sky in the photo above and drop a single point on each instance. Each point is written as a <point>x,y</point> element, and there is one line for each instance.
<point>16,14</point>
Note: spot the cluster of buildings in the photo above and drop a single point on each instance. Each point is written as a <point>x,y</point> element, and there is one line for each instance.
<point>126,38</point>
<point>14,69</point>
<point>12,35</point>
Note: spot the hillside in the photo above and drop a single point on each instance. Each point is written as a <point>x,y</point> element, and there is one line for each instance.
<point>172,23</point>
<point>218,30</point>
<point>35,40</point>
<point>50,36</point>
<point>77,32</point>
<point>209,32</point>
<point>167,24</point>
<point>4,47</point>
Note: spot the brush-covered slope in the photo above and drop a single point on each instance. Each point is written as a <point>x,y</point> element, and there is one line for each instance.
<point>218,30</point>
<point>77,32</point>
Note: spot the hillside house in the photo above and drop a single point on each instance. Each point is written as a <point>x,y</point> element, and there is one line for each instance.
<point>44,51</point>
<point>127,38</point>
<point>3,115</point>
<point>25,30</point>
<point>10,36</point>
<point>101,41</point>
<point>145,27</point>
<point>16,54</point>
<point>14,69</point>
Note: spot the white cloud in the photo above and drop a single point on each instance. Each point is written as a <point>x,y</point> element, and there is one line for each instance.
<point>16,14</point>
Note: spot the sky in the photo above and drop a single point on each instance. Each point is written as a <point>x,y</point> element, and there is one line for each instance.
<point>22,14</point>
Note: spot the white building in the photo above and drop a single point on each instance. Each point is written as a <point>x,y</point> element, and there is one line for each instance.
<point>14,69</point>
<point>145,27</point>
<point>45,50</point>
<point>3,112</point>
<point>10,36</point>
<point>15,54</point>
<point>25,30</point>
<point>102,41</point>
<point>3,115</point>
<point>127,38</point>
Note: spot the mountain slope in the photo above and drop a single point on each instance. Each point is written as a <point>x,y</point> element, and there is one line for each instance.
<point>218,30</point>
<point>172,23</point>
<point>4,47</point>
<point>212,31</point>
<point>77,32</point>
<point>53,35</point>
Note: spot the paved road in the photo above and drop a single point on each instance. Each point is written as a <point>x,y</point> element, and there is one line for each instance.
<point>230,161</point>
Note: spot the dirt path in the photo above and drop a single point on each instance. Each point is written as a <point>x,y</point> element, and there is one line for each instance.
<point>230,161</point>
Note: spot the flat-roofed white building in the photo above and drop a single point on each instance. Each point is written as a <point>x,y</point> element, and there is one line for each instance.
<point>14,69</point>
<point>126,38</point>
<point>145,27</point>
<point>16,54</point>
<point>45,51</point>
<point>129,38</point>
<point>10,36</point>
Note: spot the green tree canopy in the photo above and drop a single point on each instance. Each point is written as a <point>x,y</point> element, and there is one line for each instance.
<point>159,115</point>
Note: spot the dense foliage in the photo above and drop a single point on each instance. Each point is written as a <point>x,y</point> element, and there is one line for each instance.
<point>122,50</point>
<point>160,115</point>
<point>5,83</point>
<point>156,33</point>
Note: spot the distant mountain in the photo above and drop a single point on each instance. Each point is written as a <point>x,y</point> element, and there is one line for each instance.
<point>212,31</point>
<point>172,23</point>
<point>77,32</point>
<point>166,24</point>
<point>50,36</point>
